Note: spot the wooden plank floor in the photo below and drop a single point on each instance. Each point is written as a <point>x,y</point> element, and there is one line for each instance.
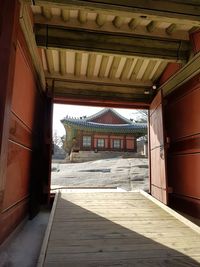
<point>117,229</point>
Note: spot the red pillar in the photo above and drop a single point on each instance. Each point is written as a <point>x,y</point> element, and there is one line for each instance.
<point>9,23</point>
<point>109,142</point>
<point>124,143</point>
<point>92,141</point>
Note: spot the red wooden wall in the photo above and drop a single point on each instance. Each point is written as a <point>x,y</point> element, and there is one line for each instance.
<point>22,140</point>
<point>183,128</point>
<point>128,142</point>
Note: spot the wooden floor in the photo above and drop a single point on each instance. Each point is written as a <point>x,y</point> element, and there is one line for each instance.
<point>116,229</point>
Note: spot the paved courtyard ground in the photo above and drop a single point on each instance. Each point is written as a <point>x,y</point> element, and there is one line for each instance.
<point>125,173</point>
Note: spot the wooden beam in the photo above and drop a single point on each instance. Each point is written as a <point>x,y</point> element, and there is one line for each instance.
<point>103,65</point>
<point>82,16</point>
<point>27,28</point>
<point>142,70</point>
<point>152,26</point>
<point>91,63</point>
<point>49,57</point>
<point>118,21</point>
<point>100,103</point>
<point>63,86</point>
<point>62,55</point>
<point>101,19</point>
<point>47,12</point>
<point>65,15</point>
<point>114,67</point>
<point>171,28</point>
<point>101,96</point>
<point>122,82</point>
<point>101,24</point>
<point>186,73</point>
<point>134,23</point>
<point>78,62</point>
<point>136,69</point>
<point>55,37</point>
<point>126,69</point>
<point>88,90</point>
<point>170,11</point>
<point>150,68</point>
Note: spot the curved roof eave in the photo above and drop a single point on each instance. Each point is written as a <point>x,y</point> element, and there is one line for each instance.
<point>137,128</point>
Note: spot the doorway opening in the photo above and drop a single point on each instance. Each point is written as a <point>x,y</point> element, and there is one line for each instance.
<point>98,147</point>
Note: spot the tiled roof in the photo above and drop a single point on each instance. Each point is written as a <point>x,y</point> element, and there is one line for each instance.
<point>105,110</point>
<point>139,128</point>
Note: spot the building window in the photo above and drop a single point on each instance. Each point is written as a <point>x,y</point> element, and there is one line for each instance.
<point>87,140</point>
<point>100,142</point>
<point>116,143</point>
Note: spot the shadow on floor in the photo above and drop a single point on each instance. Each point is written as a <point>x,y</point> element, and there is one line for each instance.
<point>23,249</point>
<point>81,237</point>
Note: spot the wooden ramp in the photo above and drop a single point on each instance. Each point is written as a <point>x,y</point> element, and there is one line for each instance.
<point>117,229</point>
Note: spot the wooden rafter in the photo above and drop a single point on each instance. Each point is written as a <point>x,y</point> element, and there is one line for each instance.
<point>187,12</point>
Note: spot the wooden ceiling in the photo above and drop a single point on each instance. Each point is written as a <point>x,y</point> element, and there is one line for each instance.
<point>111,50</point>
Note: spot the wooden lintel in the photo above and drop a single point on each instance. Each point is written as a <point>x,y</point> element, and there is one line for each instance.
<point>56,37</point>
<point>101,96</point>
<point>172,11</point>
<point>103,80</point>
<point>187,72</point>
<point>100,103</point>
<point>63,86</point>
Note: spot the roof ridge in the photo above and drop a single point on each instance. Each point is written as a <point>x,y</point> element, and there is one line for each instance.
<point>104,110</point>
<point>96,115</point>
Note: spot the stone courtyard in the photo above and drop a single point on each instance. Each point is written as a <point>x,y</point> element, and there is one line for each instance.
<point>124,173</point>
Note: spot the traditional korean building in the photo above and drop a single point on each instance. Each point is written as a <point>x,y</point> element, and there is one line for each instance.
<point>106,130</point>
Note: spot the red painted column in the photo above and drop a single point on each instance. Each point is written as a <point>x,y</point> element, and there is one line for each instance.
<point>135,144</point>
<point>124,143</point>
<point>92,141</point>
<point>9,23</point>
<point>109,142</point>
<point>195,41</point>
